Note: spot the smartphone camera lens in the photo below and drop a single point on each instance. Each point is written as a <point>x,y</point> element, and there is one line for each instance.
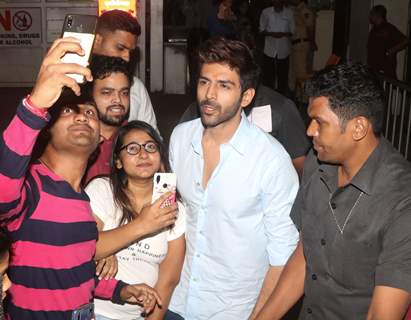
<point>69,21</point>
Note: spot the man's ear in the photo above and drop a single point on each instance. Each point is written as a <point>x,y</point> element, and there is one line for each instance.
<point>361,126</point>
<point>247,97</point>
<point>97,42</point>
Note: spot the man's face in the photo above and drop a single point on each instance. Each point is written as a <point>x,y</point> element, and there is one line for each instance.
<point>119,44</point>
<point>112,97</point>
<point>278,5</point>
<point>219,94</point>
<point>77,128</point>
<point>331,142</point>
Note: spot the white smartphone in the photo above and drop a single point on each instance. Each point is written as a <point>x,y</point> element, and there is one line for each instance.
<point>82,27</point>
<point>163,183</point>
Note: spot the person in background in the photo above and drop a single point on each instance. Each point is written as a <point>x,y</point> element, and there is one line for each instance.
<point>239,184</point>
<point>43,205</point>
<point>303,42</point>
<point>155,258</point>
<point>117,33</point>
<point>221,20</point>
<point>353,209</point>
<point>277,26</point>
<point>384,42</point>
<point>110,91</point>
<point>5,244</point>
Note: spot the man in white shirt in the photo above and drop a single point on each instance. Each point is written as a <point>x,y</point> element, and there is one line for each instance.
<point>116,36</point>
<point>277,25</point>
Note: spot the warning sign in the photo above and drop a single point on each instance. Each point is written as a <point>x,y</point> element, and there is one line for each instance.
<point>20,27</point>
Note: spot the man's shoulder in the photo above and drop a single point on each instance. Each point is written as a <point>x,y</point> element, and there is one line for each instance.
<point>184,131</point>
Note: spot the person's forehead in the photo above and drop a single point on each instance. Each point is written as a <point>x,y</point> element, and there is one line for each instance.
<point>219,70</point>
<point>113,80</point>
<point>121,36</point>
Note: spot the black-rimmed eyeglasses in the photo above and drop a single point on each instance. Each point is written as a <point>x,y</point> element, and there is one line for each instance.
<point>134,148</point>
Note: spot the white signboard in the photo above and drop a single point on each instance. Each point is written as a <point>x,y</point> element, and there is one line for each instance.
<point>20,27</point>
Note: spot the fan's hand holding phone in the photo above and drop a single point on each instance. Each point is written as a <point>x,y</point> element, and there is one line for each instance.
<point>163,183</point>
<point>81,27</point>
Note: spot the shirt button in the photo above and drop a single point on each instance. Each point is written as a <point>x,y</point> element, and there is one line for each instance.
<point>314,277</point>
<point>323,242</point>
<point>333,205</point>
<point>309,310</point>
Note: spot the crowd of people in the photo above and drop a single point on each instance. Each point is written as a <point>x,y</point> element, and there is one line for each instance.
<point>260,220</point>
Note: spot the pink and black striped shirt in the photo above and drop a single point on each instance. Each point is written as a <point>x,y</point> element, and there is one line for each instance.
<point>54,234</point>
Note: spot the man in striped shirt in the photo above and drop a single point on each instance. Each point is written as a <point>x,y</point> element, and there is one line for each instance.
<point>44,208</point>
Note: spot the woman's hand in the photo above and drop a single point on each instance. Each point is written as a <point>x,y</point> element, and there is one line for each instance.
<point>141,294</point>
<point>155,217</point>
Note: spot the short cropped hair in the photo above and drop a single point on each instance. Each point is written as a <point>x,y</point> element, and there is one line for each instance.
<point>353,90</point>
<point>103,66</point>
<point>114,20</point>
<point>379,11</point>
<point>235,54</point>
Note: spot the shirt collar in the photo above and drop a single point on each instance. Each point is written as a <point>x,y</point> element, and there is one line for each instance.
<point>238,141</point>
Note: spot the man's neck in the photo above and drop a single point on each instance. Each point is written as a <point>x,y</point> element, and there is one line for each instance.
<point>107,131</point>
<point>349,168</point>
<point>69,166</point>
<point>223,132</point>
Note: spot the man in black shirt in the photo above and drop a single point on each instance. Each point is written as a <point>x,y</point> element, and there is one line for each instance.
<point>353,209</point>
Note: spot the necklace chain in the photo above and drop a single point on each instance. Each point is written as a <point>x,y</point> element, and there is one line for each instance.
<point>349,213</point>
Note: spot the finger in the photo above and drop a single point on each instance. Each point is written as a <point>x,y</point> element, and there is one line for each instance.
<point>65,68</point>
<point>155,295</point>
<point>112,270</point>
<point>163,197</point>
<point>61,49</point>
<point>99,266</point>
<point>105,271</point>
<point>169,209</point>
<point>65,39</point>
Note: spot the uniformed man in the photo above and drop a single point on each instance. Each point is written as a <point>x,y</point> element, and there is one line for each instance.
<point>302,42</point>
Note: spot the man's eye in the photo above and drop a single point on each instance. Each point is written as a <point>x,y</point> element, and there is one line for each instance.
<point>91,113</point>
<point>67,110</point>
<point>125,93</point>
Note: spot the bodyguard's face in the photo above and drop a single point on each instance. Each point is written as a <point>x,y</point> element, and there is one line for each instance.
<point>119,44</point>
<point>330,141</point>
<point>77,128</point>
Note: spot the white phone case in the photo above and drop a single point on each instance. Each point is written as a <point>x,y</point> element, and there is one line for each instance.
<point>162,183</point>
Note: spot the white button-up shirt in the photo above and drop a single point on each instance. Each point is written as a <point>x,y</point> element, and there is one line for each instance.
<point>272,21</point>
<point>237,226</point>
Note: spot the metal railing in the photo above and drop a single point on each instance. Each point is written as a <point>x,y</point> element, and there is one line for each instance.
<point>397,127</point>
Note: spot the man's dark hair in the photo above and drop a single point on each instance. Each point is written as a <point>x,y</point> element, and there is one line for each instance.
<point>103,66</point>
<point>379,11</point>
<point>235,54</point>
<point>114,20</point>
<point>352,90</point>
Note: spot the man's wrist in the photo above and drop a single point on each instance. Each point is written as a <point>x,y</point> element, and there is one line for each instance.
<point>33,108</point>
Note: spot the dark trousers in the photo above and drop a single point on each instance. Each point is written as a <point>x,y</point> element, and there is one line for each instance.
<point>275,69</point>
<point>170,315</point>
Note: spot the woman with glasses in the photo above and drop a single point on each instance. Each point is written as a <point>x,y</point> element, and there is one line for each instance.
<point>155,256</point>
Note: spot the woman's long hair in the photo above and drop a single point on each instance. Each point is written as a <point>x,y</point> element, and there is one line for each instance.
<point>118,177</point>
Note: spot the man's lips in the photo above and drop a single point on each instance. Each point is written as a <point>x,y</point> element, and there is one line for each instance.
<point>80,128</point>
<point>117,109</point>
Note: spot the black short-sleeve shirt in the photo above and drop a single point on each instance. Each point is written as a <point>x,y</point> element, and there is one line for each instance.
<point>287,125</point>
<point>374,213</point>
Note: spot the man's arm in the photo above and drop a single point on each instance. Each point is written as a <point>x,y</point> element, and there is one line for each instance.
<point>289,289</point>
<point>270,281</point>
<point>388,304</point>
<point>18,140</point>
<point>400,46</point>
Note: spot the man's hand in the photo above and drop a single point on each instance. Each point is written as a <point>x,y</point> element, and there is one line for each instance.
<point>53,72</point>
<point>141,294</point>
<point>107,268</point>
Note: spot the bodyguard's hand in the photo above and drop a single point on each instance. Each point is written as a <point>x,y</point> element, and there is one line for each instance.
<point>141,294</point>
<point>153,217</point>
<point>53,72</point>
